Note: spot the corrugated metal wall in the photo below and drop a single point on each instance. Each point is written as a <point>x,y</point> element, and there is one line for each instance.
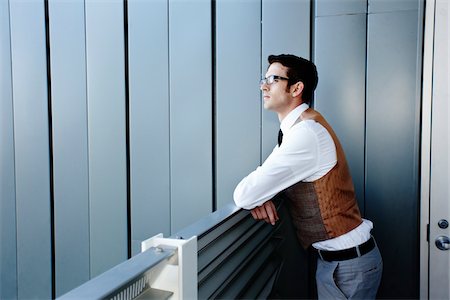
<point>123,119</point>
<point>369,56</point>
<point>394,68</point>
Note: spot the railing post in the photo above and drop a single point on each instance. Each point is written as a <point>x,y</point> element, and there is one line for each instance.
<point>179,274</point>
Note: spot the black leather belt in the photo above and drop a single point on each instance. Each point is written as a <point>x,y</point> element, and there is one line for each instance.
<point>348,253</point>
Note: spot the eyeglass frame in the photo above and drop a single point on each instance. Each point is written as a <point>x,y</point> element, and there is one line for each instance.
<point>271,78</point>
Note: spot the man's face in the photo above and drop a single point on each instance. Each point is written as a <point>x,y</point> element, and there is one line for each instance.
<point>276,95</point>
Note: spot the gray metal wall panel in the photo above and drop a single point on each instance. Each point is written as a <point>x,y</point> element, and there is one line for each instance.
<point>392,147</point>
<point>190,111</point>
<point>341,7</point>
<point>377,6</point>
<point>149,119</point>
<point>106,126</point>
<point>340,94</point>
<point>285,29</point>
<point>8,266</point>
<point>70,156</point>
<point>238,117</point>
<point>29,75</point>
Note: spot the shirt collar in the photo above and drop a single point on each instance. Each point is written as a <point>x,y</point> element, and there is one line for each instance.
<point>290,119</point>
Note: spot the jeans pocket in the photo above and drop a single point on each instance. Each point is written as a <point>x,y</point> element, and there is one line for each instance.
<point>338,283</point>
<point>371,278</point>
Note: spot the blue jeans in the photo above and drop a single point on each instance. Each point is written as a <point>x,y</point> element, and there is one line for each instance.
<point>357,278</point>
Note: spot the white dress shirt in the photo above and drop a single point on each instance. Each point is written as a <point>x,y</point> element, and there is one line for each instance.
<point>306,154</point>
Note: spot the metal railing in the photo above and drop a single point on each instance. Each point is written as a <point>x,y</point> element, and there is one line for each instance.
<point>127,280</point>
<point>227,254</point>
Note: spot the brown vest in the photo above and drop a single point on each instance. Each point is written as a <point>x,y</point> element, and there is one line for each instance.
<point>325,208</point>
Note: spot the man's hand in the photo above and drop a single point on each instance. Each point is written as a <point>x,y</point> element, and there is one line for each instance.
<point>266,212</point>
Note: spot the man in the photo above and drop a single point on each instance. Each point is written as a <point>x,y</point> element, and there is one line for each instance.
<point>308,166</point>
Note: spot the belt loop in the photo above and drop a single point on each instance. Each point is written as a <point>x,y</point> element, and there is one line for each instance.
<point>320,254</point>
<point>357,251</point>
<point>374,241</point>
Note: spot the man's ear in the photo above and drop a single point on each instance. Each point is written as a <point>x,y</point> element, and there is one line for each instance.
<point>297,89</point>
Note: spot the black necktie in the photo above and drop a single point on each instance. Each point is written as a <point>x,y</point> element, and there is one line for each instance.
<point>280,137</point>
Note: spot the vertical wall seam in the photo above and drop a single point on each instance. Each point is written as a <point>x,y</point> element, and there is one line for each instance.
<point>261,115</point>
<point>431,123</point>
<point>50,141</point>
<point>431,131</point>
<point>419,86</point>
<point>365,110</point>
<point>312,38</point>
<point>14,147</point>
<point>213,105</point>
<point>312,21</point>
<point>127,127</point>
<point>418,125</point>
<point>169,119</point>
<point>87,138</point>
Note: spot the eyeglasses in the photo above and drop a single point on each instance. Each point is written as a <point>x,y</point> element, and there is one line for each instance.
<point>271,79</point>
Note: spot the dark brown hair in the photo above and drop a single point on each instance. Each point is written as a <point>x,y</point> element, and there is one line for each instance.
<point>299,69</point>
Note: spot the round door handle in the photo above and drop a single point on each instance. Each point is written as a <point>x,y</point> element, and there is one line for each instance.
<point>442,242</point>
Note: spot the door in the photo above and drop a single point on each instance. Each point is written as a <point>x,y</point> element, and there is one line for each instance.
<point>439,180</point>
